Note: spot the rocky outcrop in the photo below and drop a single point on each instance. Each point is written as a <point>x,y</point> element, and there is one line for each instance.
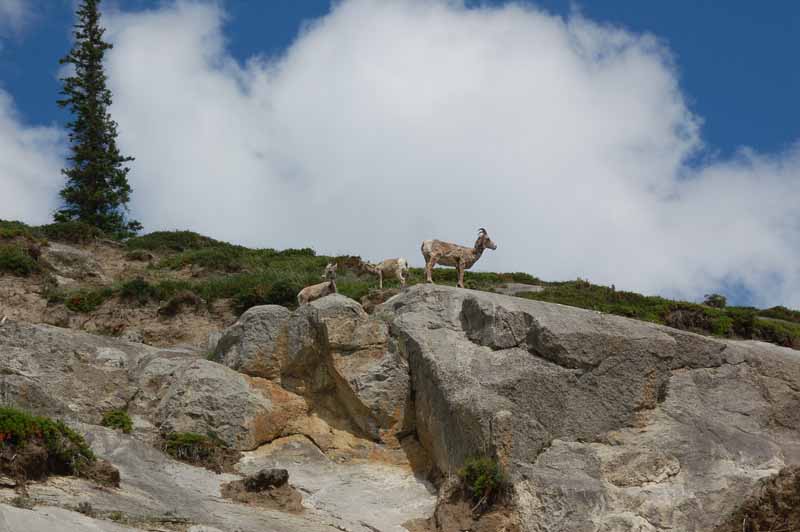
<point>601,422</point>
<point>329,351</point>
<point>78,376</point>
<point>159,493</point>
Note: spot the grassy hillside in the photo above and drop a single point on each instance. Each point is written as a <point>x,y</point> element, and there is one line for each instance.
<point>247,277</point>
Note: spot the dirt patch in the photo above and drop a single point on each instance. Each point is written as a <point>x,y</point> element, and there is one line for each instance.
<point>774,506</point>
<point>268,488</point>
<point>456,512</point>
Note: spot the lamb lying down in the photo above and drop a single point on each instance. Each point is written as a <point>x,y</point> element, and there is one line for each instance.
<point>316,291</point>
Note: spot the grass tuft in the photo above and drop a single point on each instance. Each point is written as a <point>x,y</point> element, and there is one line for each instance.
<point>119,420</point>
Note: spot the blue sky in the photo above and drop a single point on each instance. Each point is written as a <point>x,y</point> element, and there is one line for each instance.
<point>652,145</point>
<point>737,61</point>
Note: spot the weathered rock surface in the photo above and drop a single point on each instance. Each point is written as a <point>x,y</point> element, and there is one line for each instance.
<point>78,376</point>
<point>71,264</point>
<point>601,422</point>
<point>251,344</point>
<point>50,519</point>
<point>156,489</point>
<point>331,352</point>
<point>374,495</point>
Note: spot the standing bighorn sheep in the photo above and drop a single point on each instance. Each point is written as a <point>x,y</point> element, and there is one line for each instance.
<point>316,291</point>
<point>389,268</point>
<point>447,254</point>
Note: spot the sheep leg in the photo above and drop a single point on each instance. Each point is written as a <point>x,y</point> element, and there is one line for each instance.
<point>460,268</point>
<point>380,280</point>
<point>429,269</point>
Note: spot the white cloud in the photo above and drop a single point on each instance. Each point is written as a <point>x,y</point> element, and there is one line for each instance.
<point>389,122</point>
<point>30,163</point>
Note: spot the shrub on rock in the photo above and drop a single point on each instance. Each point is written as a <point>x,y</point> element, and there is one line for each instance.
<point>33,447</point>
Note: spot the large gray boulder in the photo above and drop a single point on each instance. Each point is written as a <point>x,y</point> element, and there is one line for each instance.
<point>601,422</point>
<point>252,344</point>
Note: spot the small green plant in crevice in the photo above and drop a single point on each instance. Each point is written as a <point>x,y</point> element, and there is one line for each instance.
<point>119,420</point>
<point>482,478</point>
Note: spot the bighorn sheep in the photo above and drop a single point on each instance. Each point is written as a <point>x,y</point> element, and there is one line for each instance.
<point>316,291</point>
<point>389,268</point>
<point>447,254</point>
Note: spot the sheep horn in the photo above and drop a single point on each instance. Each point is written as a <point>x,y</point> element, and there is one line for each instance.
<point>481,231</point>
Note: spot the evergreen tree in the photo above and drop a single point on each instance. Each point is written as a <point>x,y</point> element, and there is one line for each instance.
<point>97,189</point>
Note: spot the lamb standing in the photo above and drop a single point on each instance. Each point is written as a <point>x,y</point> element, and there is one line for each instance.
<point>461,257</point>
<point>316,291</point>
<point>389,268</point>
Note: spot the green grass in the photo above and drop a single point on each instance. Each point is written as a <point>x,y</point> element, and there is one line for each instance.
<point>171,241</point>
<point>138,291</point>
<point>71,232</point>
<point>87,300</point>
<point>68,452</point>
<point>13,229</point>
<point>15,260</point>
<point>781,313</point>
<point>119,420</point>
<point>730,322</point>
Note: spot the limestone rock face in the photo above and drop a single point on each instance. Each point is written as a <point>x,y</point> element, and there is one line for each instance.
<point>329,351</point>
<point>601,422</point>
<point>160,492</point>
<point>77,376</point>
